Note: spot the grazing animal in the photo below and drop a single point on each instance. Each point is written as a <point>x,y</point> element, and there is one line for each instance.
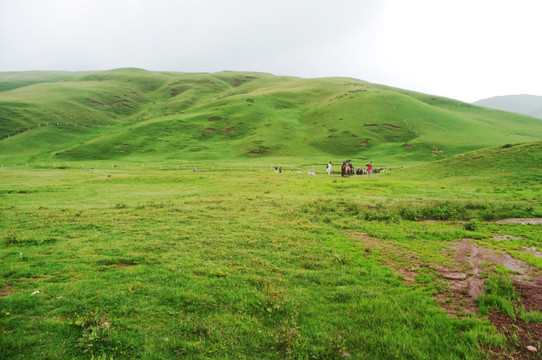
<point>346,170</point>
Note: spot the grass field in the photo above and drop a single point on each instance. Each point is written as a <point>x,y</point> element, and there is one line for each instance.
<point>238,264</point>
<point>141,218</point>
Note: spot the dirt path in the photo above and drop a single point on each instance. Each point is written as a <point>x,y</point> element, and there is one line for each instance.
<point>524,221</point>
<point>464,283</point>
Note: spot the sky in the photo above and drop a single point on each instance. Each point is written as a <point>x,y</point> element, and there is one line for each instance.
<point>462,49</point>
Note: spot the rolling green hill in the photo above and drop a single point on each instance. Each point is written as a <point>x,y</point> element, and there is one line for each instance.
<point>513,163</point>
<point>133,114</point>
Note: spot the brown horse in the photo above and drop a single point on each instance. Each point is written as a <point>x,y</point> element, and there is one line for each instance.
<point>346,170</point>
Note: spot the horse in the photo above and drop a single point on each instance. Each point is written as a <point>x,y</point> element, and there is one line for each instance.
<point>346,170</point>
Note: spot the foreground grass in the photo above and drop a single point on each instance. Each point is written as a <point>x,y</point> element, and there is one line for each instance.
<point>161,264</point>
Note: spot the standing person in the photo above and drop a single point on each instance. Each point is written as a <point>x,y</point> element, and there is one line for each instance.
<point>280,169</point>
<point>329,168</point>
<point>369,168</point>
<point>276,169</point>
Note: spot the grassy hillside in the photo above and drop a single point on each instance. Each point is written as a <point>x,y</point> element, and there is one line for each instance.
<point>105,261</point>
<point>13,80</point>
<point>134,114</point>
<point>509,172</point>
<point>507,161</point>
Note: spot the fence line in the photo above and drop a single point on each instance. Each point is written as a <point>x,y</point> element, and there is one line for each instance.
<point>419,134</point>
<point>60,124</point>
<point>198,167</point>
<point>63,125</point>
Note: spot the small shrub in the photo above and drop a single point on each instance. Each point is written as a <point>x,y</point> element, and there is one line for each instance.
<point>409,213</point>
<point>95,331</point>
<point>471,225</point>
<point>335,345</point>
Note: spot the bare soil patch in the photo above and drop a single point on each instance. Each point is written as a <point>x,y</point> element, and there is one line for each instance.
<point>394,127</point>
<point>95,102</point>
<point>125,264</point>
<point>520,335</point>
<point>464,279</point>
<point>525,221</point>
<point>464,283</point>
<point>505,237</point>
<point>6,291</point>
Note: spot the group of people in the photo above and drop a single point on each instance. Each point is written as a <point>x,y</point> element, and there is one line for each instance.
<point>347,169</point>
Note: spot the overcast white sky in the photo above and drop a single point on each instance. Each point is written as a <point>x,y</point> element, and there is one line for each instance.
<point>463,49</point>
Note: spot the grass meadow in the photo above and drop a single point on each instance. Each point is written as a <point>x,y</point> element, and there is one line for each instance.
<point>241,263</point>
<point>113,248</point>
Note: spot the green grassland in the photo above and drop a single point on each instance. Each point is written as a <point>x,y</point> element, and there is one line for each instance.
<point>113,247</point>
<point>241,264</point>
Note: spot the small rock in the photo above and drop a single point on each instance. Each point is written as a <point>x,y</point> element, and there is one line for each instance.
<point>531,348</point>
<point>59,297</point>
<point>454,276</point>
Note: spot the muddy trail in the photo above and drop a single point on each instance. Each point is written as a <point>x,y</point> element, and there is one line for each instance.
<point>462,279</point>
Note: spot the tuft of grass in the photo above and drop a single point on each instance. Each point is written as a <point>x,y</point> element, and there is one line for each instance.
<point>532,317</point>
<point>499,294</point>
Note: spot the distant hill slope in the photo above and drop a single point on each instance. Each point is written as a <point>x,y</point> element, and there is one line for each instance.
<point>511,165</point>
<point>135,114</point>
<point>530,105</point>
<point>504,161</point>
<point>17,79</point>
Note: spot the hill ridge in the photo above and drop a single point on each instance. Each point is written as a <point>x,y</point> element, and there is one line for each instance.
<point>242,114</point>
<point>530,105</point>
